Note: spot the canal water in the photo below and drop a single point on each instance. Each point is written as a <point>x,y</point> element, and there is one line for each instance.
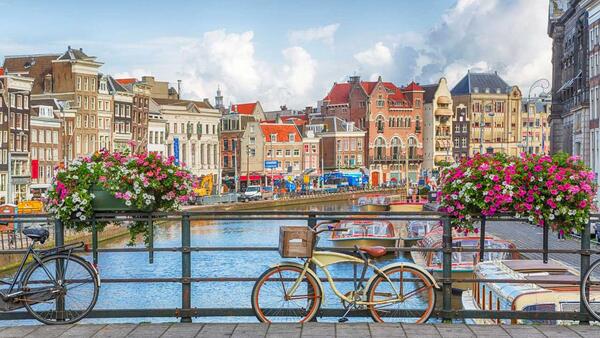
<point>206,264</point>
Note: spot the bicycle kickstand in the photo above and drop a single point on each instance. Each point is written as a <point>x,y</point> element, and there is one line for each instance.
<point>344,319</point>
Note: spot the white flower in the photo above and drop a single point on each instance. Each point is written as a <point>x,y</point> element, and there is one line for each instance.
<point>93,196</point>
<point>530,218</point>
<point>558,198</point>
<point>128,203</point>
<point>82,217</point>
<point>551,217</point>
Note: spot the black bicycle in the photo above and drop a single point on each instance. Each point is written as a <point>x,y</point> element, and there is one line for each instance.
<point>57,287</point>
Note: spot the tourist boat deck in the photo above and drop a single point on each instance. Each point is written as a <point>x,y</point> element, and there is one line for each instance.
<point>528,297</point>
<point>364,233</point>
<point>463,263</point>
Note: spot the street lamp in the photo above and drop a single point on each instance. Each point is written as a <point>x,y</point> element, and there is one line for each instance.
<point>544,85</point>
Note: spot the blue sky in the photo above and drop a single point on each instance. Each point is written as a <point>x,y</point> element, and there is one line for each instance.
<point>287,52</point>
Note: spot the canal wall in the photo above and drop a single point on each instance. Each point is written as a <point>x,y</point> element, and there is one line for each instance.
<point>11,261</point>
<point>288,201</point>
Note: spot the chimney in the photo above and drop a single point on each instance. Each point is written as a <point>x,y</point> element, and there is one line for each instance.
<point>354,79</point>
<point>178,89</point>
<point>80,49</point>
<point>284,107</point>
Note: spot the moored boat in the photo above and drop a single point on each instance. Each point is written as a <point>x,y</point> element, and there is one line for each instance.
<point>463,263</point>
<point>364,233</point>
<point>529,297</point>
<point>374,203</point>
<point>416,230</point>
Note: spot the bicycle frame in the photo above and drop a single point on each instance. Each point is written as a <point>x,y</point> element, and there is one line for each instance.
<point>322,259</point>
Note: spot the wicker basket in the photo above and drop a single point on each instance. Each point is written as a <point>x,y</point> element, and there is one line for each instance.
<point>296,241</point>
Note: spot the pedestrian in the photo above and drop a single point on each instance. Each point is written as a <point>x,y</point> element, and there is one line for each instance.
<point>410,194</point>
<point>561,235</point>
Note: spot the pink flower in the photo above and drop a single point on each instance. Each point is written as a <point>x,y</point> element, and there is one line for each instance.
<point>102,178</point>
<point>537,168</point>
<point>583,204</point>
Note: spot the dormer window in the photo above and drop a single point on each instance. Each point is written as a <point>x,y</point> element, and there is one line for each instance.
<point>487,90</point>
<point>497,90</point>
<point>292,137</point>
<point>273,137</point>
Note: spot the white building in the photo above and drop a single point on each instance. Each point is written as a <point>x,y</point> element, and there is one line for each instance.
<point>105,114</point>
<point>437,131</point>
<point>192,129</point>
<point>157,128</point>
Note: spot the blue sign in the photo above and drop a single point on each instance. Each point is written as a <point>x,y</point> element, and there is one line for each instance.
<point>176,150</point>
<point>271,164</point>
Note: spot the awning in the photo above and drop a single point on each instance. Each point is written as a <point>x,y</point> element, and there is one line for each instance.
<point>252,178</point>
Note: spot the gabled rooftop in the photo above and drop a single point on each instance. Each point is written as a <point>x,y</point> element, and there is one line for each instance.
<point>475,83</point>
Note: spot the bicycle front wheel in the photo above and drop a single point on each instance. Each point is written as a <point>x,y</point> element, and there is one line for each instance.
<point>406,295</point>
<point>272,302</point>
<point>590,290</point>
<point>62,289</point>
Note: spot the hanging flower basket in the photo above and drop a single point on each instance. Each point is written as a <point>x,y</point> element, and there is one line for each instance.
<point>118,181</point>
<point>557,190</point>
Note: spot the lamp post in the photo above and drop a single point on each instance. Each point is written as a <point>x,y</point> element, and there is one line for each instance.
<point>544,85</point>
<point>247,166</point>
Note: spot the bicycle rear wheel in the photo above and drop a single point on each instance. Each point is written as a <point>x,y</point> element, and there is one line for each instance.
<point>590,290</point>
<point>408,296</point>
<point>63,289</point>
<point>271,303</point>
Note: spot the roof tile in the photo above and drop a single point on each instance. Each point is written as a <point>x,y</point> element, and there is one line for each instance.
<point>283,132</point>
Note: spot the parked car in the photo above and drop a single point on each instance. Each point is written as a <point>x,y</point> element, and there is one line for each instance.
<point>252,193</point>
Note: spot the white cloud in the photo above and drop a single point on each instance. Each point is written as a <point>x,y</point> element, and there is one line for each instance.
<point>504,35</point>
<point>378,55</point>
<point>324,33</point>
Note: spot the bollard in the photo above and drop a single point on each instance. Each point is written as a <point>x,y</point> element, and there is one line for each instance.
<point>59,240</point>
<point>447,269</point>
<point>585,265</point>
<point>186,268</point>
<point>482,239</point>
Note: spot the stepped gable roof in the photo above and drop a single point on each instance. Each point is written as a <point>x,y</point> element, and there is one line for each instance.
<point>244,108</point>
<point>282,130</point>
<point>479,82</point>
<point>413,87</point>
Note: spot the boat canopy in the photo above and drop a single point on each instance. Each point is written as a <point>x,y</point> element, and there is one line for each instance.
<point>363,228</point>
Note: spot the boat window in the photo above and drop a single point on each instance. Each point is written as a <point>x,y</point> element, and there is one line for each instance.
<point>537,308</point>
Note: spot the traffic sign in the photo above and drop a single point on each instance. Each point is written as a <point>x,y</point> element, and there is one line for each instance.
<point>271,164</point>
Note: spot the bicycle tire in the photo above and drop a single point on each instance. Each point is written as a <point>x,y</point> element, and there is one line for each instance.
<point>418,275</point>
<point>585,286</point>
<point>260,312</point>
<point>69,316</point>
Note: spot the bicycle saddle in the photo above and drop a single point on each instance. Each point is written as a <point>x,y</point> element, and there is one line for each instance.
<point>373,251</point>
<point>37,234</point>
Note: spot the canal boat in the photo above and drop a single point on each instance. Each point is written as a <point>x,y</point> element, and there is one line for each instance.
<point>402,204</point>
<point>463,263</point>
<point>373,203</point>
<point>364,233</point>
<point>416,230</point>
<point>530,297</point>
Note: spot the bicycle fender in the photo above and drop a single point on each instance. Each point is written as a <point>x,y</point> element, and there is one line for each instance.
<point>412,265</point>
<point>310,271</point>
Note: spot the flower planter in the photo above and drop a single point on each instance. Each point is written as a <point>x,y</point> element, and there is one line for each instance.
<point>104,201</point>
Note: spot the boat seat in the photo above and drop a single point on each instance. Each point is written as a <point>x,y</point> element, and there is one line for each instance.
<point>37,234</point>
<point>373,251</point>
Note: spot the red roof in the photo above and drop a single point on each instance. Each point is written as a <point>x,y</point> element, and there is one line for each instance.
<point>283,132</point>
<point>412,87</point>
<point>126,81</point>
<point>244,108</point>
<point>339,93</point>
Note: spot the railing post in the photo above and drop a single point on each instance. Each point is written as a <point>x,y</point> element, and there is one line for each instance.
<point>186,268</point>
<point>585,265</point>
<point>482,239</point>
<point>59,240</point>
<point>447,268</point>
<point>312,223</point>
<point>545,242</point>
<point>150,239</point>
<point>94,241</point>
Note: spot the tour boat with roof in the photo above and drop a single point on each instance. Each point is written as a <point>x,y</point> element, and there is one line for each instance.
<point>374,202</point>
<point>544,296</point>
<point>364,233</point>
<point>417,229</point>
<point>463,263</point>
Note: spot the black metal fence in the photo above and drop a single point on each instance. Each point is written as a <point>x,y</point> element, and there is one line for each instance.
<point>186,312</point>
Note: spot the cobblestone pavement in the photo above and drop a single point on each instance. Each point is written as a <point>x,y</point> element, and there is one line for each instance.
<point>247,330</point>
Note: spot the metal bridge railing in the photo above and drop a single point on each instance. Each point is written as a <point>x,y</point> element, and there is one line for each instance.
<point>185,312</point>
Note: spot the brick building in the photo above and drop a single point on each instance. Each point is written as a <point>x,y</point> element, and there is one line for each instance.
<point>139,114</point>
<point>122,108</point>
<point>392,118</point>
<point>45,128</point>
<point>341,143</point>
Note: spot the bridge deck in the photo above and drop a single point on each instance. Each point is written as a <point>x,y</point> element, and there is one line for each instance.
<point>248,330</point>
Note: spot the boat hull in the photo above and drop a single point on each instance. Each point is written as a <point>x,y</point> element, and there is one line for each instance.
<point>351,242</point>
<point>373,207</point>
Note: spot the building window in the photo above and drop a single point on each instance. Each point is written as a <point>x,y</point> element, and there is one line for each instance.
<point>292,137</point>
<point>26,102</point>
<point>273,137</point>
<point>380,101</point>
<point>456,142</point>
<point>252,140</point>
<point>464,142</point>
<point>418,103</point>
<point>79,83</point>
<point>296,152</point>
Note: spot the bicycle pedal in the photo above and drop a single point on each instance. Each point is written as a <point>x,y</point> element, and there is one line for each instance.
<point>342,320</point>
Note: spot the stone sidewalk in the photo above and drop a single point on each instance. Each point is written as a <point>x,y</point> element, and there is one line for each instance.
<point>247,330</point>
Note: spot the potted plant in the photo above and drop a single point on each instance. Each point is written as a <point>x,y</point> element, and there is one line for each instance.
<point>117,181</point>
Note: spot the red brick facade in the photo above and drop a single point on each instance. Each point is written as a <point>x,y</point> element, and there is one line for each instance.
<point>393,120</point>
